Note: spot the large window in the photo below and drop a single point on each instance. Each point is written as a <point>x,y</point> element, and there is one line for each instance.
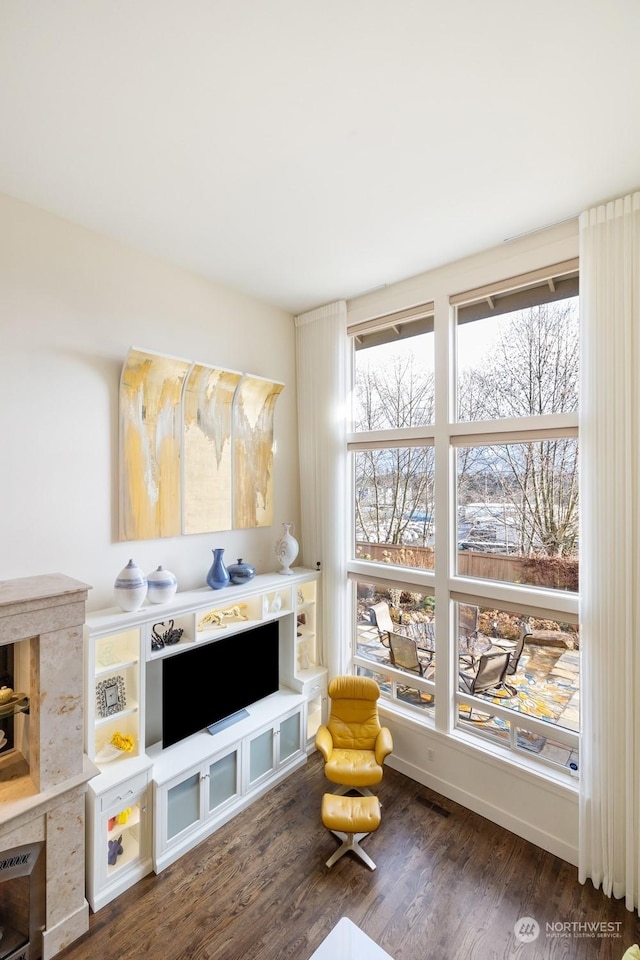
<point>466,514</point>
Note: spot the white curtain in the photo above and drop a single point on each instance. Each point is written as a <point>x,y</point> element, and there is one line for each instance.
<point>610,548</point>
<point>322,381</point>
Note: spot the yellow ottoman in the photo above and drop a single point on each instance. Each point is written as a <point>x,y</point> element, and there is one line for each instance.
<point>350,819</point>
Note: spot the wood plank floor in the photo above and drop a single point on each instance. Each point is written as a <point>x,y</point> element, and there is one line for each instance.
<point>449,885</point>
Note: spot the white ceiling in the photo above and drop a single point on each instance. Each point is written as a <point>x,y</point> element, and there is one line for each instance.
<point>308,151</point>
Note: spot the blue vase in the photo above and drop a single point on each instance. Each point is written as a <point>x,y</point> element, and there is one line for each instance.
<point>241,572</point>
<point>218,576</point>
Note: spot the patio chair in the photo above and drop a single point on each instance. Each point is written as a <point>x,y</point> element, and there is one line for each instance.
<point>487,676</point>
<point>467,622</point>
<point>380,616</point>
<point>405,656</point>
<point>514,648</point>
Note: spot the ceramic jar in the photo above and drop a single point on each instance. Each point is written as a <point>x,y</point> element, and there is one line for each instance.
<point>241,572</point>
<point>161,585</point>
<point>286,549</point>
<point>130,587</point>
<point>218,575</point>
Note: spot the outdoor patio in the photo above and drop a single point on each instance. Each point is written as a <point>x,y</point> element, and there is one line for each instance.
<point>546,683</point>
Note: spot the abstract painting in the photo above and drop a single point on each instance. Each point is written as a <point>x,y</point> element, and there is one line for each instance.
<point>196,448</point>
<point>253,452</point>
<point>150,441</point>
<point>207,471</point>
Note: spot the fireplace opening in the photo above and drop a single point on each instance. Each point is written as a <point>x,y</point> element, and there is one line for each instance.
<point>22,896</point>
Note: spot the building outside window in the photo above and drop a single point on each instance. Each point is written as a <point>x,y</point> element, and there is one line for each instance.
<point>465,561</point>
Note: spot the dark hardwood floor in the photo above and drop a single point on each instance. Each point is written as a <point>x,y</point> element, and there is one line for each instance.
<point>449,885</point>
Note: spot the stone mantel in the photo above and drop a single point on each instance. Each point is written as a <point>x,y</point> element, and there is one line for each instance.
<point>43,779</point>
<point>49,601</point>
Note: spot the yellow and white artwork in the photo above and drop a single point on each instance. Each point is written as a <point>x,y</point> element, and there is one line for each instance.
<point>150,441</point>
<point>207,472</point>
<point>196,448</point>
<point>253,452</point>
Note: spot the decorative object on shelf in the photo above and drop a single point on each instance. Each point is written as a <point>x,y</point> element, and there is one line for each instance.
<point>122,741</point>
<point>300,596</point>
<point>301,621</point>
<point>119,744</point>
<point>276,603</point>
<point>304,661</point>
<point>17,703</point>
<point>218,575</point>
<point>165,634</point>
<point>215,617</point>
<point>107,753</point>
<point>161,585</point>
<point>130,587</point>
<point>123,816</point>
<point>115,849</point>
<point>286,549</point>
<point>241,572</point>
<point>110,696</point>
<point>3,740</point>
<point>6,693</point>
<point>107,654</point>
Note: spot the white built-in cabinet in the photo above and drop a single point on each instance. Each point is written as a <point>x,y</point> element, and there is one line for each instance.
<point>200,784</point>
<point>148,806</point>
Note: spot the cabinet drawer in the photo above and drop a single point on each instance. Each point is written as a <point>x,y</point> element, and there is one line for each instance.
<point>124,791</point>
<point>315,687</point>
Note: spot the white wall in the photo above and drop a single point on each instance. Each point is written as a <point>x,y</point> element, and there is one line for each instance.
<point>71,305</point>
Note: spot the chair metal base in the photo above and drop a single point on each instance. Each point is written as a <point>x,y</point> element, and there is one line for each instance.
<point>350,841</point>
<point>479,718</point>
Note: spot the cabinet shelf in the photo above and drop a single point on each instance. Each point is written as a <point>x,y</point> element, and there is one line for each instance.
<point>132,821</point>
<point>121,714</point>
<point>118,667</point>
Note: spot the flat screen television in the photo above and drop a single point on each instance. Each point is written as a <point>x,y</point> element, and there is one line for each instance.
<point>210,682</point>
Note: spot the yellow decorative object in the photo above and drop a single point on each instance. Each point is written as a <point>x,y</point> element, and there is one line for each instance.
<point>215,617</point>
<point>122,741</point>
<point>5,694</point>
<point>123,816</point>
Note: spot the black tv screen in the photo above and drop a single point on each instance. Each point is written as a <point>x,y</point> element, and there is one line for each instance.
<point>210,682</point>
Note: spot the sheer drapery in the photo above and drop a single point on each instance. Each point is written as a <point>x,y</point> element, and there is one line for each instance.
<point>609,848</point>
<point>322,381</point>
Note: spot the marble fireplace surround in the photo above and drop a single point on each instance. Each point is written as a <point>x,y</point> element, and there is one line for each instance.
<point>43,780</point>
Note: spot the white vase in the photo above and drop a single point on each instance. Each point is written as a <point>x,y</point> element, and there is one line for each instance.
<point>130,587</point>
<point>286,549</point>
<point>161,585</point>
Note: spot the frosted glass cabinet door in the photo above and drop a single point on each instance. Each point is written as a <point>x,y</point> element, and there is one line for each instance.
<point>261,758</point>
<point>183,805</point>
<point>224,780</point>
<point>289,737</point>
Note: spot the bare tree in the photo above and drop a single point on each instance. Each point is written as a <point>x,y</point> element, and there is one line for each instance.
<point>532,371</point>
<point>394,484</point>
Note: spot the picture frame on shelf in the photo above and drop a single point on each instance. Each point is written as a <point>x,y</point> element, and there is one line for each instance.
<point>110,696</point>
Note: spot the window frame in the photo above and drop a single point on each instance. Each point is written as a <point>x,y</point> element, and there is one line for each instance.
<point>446,434</point>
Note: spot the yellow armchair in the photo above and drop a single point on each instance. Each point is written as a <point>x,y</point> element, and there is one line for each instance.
<point>353,743</point>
